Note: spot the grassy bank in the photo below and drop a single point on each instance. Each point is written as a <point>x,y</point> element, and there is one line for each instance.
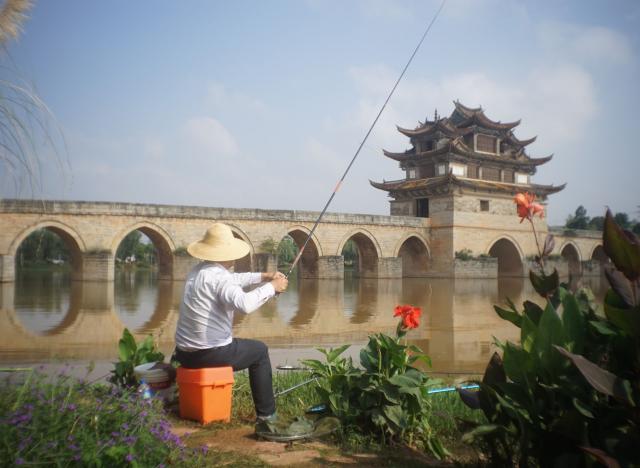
<point>62,421</point>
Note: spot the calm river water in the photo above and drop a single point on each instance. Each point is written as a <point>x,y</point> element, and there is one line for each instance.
<point>46,317</point>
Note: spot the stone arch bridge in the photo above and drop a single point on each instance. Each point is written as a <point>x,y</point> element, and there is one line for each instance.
<point>388,246</point>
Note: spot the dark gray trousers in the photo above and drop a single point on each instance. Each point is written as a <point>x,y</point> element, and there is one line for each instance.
<point>240,354</point>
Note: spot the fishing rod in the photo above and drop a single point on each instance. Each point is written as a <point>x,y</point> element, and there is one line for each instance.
<point>344,175</point>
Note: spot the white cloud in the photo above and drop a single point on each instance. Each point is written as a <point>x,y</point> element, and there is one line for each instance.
<point>207,135</point>
<point>595,44</point>
<point>557,103</point>
<point>223,99</point>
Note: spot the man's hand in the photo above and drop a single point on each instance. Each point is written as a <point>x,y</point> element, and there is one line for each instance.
<point>280,283</point>
<point>272,275</point>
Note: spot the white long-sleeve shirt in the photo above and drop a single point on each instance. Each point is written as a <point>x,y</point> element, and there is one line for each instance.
<point>212,294</point>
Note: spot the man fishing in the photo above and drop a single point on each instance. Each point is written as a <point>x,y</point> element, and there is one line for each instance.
<point>212,295</point>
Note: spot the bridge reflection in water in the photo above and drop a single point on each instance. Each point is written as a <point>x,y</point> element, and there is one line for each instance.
<point>46,316</point>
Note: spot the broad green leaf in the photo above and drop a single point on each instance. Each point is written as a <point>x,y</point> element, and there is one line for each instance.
<point>582,408</point>
<point>528,332</point>
<point>573,323</point>
<point>603,327</point>
<point>622,286</point>
<point>600,379</point>
<point>517,363</point>
<point>533,311</point>
<point>481,431</point>
<point>509,315</point>
<point>627,320</point>
<point>396,414</point>
<point>404,381</point>
<point>126,345</point>
<point>622,248</point>
<point>550,333</point>
<point>334,353</point>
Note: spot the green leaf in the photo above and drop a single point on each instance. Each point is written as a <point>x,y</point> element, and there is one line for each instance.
<point>627,320</point>
<point>481,431</point>
<point>528,332</point>
<point>397,415</point>
<point>573,323</point>
<point>603,327</point>
<point>533,311</point>
<point>334,353</point>
<point>551,333</point>
<point>509,315</point>
<point>582,408</point>
<point>545,285</point>
<point>126,345</point>
<point>600,379</point>
<point>404,381</point>
<point>517,363</point>
<point>622,248</point>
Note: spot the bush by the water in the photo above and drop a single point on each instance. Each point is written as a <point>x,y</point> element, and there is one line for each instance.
<point>61,421</point>
<point>568,394</point>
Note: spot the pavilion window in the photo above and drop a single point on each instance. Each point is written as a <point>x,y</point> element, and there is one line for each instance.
<point>422,207</point>
<point>441,169</point>
<point>411,173</point>
<point>484,205</point>
<point>485,144</point>
<point>522,178</point>
<point>459,170</point>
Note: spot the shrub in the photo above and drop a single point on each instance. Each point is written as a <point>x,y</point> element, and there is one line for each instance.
<point>62,422</point>
<point>387,396</point>
<point>569,392</point>
<point>131,355</point>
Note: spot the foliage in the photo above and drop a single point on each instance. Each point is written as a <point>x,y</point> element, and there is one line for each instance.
<point>350,252</point>
<point>387,396</point>
<point>42,246</point>
<point>132,246</point>
<point>132,355</point>
<point>63,422</point>
<point>580,220</point>
<point>569,392</point>
<point>467,254</point>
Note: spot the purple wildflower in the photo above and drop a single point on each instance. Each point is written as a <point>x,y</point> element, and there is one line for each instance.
<point>77,457</point>
<point>71,407</point>
<point>19,461</point>
<point>129,458</point>
<point>125,426</point>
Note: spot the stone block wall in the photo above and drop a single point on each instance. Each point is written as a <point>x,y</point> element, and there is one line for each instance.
<point>486,268</point>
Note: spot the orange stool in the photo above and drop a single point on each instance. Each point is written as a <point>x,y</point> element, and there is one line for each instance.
<point>205,394</point>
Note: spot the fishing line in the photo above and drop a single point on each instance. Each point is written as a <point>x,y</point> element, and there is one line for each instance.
<point>344,175</point>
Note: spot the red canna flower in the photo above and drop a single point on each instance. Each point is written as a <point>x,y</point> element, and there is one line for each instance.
<point>410,315</point>
<point>527,208</point>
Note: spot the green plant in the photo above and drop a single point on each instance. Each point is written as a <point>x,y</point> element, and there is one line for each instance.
<point>569,392</point>
<point>388,395</point>
<point>464,254</point>
<point>131,355</point>
<point>60,421</point>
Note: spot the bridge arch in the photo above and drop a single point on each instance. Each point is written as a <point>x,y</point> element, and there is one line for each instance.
<point>368,251</point>
<point>414,251</point>
<point>69,236</point>
<point>308,264</point>
<point>598,254</point>
<point>161,241</point>
<point>509,254</point>
<point>570,252</point>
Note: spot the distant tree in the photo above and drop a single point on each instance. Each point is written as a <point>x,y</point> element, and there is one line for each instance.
<point>287,251</point>
<point>40,247</point>
<point>350,251</point>
<point>128,246</point>
<point>636,228</point>
<point>579,220</point>
<point>596,223</point>
<point>622,219</point>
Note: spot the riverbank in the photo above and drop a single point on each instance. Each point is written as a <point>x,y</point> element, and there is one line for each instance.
<point>80,422</point>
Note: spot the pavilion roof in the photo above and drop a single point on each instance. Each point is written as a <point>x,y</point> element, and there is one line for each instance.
<point>444,184</point>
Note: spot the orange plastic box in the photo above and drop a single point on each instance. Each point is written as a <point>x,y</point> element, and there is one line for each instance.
<point>205,394</point>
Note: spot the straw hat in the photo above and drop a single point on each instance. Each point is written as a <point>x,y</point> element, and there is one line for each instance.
<point>218,245</point>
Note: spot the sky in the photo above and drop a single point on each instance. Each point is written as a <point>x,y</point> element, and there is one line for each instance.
<point>262,104</point>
